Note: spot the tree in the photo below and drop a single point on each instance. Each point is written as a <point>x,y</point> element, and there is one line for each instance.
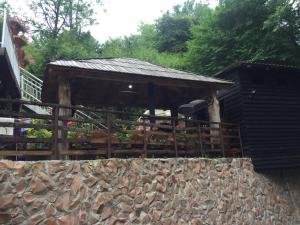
<point>54,16</point>
<point>59,32</point>
<point>163,42</point>
<point>66,46</point>
<point>248,30</point>
<point>174,29</point>
<point>172,33</point>
<point>137,46</point>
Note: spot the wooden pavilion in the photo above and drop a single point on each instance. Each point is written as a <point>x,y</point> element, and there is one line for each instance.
<point>120,82</point>
<point>127,82</point>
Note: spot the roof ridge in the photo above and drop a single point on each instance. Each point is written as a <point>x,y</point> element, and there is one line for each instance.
<point>166,69</point>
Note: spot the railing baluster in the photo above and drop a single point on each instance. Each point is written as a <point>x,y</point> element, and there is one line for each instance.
<point>200,140</point>
<point>240,139</point>
<point>55,132</point>
<point>174,135</point>
<point>108,134</point>
<point>222,138</point>
<point>145,138</point>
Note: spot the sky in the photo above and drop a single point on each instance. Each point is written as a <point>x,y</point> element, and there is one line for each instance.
<point>121,17</point>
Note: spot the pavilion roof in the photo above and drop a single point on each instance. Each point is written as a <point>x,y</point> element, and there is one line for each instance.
<point>106,82</point>
<point>134,66</point>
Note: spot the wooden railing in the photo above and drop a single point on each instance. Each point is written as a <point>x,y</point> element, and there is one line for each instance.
<point>53,136</point>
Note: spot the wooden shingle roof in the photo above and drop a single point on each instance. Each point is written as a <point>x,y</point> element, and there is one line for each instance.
<point>106,81</point>
<point>134,66</point>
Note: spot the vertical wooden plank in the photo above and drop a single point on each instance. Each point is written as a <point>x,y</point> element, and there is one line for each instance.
<point>221,128</point>
<point>240,139</point>
<point>174,135</point>
<point>174,113</point>
<point>145,138</point>
<point>200,140</point>
<point>151,99</point>
<point>108,121</point>
<point>55,154</point>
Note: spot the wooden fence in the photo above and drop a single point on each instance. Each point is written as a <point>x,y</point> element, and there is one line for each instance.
<point>111,134</point>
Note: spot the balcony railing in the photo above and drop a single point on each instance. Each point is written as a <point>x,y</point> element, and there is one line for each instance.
<point>7,43</point>
<point>125,135</point>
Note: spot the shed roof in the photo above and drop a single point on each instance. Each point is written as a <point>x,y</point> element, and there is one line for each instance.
<point>134,66</point>
<point>254,65</point>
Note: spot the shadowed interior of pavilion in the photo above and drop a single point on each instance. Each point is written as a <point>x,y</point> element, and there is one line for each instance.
<point>104,85</point>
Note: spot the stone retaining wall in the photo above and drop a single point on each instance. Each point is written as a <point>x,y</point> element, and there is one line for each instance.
<point>147,191</point>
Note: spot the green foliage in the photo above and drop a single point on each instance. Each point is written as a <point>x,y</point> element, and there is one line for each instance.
<point>67,45</point>
<point>191,37</point>
<point>122,137</point>
<point>38,133</point>
<point>133,47</point>
<point>164,42</point>
<point>58,32</point>
<point>41,133</point>
<point>249,30</point>
<point>56,16</point>
<point>172,33</point>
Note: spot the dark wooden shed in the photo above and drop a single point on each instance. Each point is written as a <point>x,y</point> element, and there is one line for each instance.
<point>265,101</point>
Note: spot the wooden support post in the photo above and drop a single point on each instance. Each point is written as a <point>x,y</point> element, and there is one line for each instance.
<point>151,97</point>
<point>108,122</point>
<point>214,108</point>
<point>64,98</point>
<point>214,119</point>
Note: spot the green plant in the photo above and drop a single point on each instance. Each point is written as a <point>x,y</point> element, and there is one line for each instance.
<point>38,133</point>
<point>72,134</point>
<point>122,137</point>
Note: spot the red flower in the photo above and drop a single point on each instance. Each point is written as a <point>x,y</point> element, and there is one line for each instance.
<point>233,152</point>
<point>71,123</point>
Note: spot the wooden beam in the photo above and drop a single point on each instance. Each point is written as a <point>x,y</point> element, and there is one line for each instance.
<point>25,153</point>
